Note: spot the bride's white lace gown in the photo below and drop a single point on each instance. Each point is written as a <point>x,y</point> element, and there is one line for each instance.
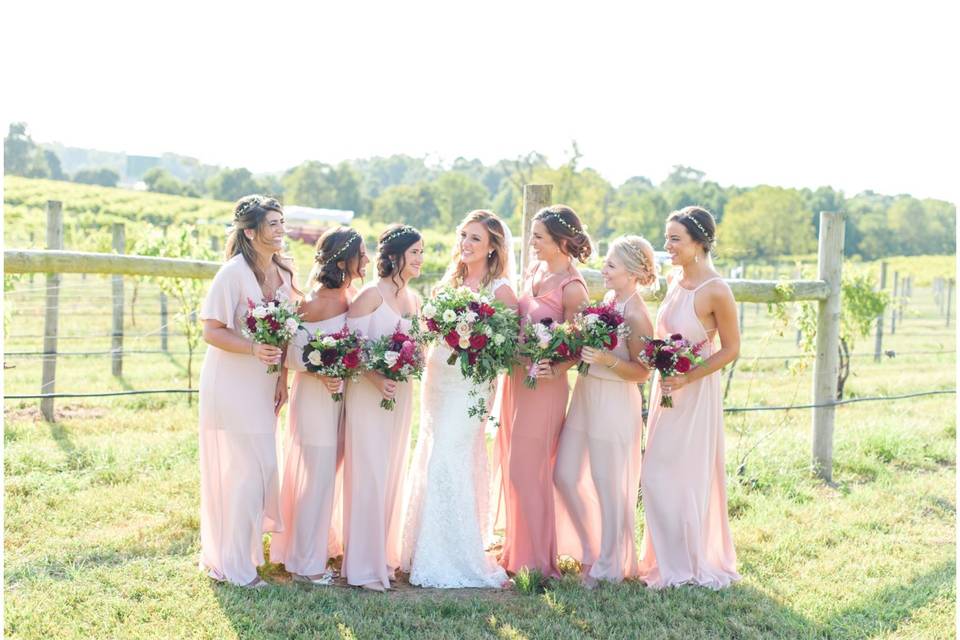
<point>447,523</point>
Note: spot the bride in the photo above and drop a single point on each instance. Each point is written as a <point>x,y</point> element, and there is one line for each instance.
<point>447,520</point>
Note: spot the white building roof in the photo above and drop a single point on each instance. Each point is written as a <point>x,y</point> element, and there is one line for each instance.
<point>294,213</point>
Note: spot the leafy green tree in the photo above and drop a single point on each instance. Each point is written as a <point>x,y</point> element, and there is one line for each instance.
<point>767,222</point>
<point>159,180</point>
<point>232,184</point>
<point>455,194</point>
<point>409,204</point>
<point>18,150</point>
<point>103,177</point>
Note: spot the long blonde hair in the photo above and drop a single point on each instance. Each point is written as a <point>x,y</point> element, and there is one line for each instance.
<point>497,261</point>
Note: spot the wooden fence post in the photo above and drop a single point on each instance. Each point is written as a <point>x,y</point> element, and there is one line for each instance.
<point>743,276</point>
<point>827,362</point>
<point>535,197</point>
<point>878,343</point>
<point>896,301</point>
<point>163,321</point>
<point>949,299</point>
<point>116,346</point>
<point>52,311</point>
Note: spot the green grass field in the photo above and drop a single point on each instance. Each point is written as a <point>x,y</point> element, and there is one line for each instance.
<point>101,509</point>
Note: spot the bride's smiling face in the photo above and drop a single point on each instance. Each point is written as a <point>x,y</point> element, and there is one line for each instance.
<point>474,243</point>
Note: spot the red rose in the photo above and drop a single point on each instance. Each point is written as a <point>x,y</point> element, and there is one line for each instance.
<point>351,360</point>
<point>478,342</point>
<point>676,336</point>
<point>251,323</point>
<point>472,357</point>
<point>274,325</point>
<point>399,337</point>
<point>563,350</point>
<point>613,341</point>
<point>453,339</point>
<point>328,357</point>
<point>485,311</point>
<point>432,325</point>
<point>650,349</point>
<point>682,365</point>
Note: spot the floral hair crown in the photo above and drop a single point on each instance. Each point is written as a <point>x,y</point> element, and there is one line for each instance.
<point>255,201</point>
<point>339,252</point>
<point>699,226</point>
<point>405,229</point>
<point>558,218</point>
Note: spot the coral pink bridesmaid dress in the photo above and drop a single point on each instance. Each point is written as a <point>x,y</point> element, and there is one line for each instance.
<point>527,446</point>
<point>687,536</point>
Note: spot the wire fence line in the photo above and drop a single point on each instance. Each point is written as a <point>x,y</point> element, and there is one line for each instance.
<point>835,403</point>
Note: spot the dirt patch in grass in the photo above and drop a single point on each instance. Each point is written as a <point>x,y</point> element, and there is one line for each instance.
<point>66,412</point>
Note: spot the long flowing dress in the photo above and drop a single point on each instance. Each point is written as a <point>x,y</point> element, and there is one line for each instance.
<point>310,483</point>
<point>598,473</point>
<point>239,488</point>
<point>447,506</point>
<point>687,535</point>
<point>375,450</point>
<point>526,448</point>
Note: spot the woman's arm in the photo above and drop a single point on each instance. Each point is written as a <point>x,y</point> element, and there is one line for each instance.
<point>216,334</point>
<point>721,303</point>
<point>629,370</point>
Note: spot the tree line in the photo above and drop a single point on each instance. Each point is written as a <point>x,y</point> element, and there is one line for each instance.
<point>761,222</point>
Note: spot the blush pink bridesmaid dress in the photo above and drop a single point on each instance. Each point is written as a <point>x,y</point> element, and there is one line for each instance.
<point>598,473</point>
<point>375,453</point>
<point>526,447</point>
<point>239,487</point>
<point>687,536</point>
<point>308,492</point>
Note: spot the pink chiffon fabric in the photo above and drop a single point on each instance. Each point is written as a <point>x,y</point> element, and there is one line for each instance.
<point>375,453</point>
<point>313,454</point>
<point>598,473</point>
<point>687,535</point>
<point>526,447</point>
<point>239,488</point>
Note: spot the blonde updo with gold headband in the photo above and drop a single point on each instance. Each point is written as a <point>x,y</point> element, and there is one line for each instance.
<point>637,256</point>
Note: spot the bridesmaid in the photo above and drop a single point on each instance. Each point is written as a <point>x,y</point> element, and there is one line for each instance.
<point>687,536</point>
<point>377,440</point>
<point>239,400</point>
<point>598,460</point>
<point>309,489</point>
<point>532,418</point>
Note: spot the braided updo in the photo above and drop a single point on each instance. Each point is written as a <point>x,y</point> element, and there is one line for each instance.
<point>391,247</point>
<point>336,246</point>
<point>637,257</point>
<point>699,223</point>
<point>566,230</point>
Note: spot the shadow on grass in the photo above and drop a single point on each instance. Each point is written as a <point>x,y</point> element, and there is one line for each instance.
<point>566,610</point>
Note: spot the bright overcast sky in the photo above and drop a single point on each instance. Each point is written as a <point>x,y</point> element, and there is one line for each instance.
<point>856,95</point>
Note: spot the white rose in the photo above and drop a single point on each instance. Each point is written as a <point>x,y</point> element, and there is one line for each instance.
<point>314,358</point>
<point>328,341</point>
<point>390,357</point>
<point>429,311</point>
<point>449,315</point>
<point>592,318</point>
<point>259,312</point>
<point>498,339</point>
<point>464,341</point>
<point>463,329</point>
<point>291,324</point>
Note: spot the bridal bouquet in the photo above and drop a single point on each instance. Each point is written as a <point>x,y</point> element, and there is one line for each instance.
<point>271,322</point>
<point>599,326</point>
<point>481,333</point>
<point>335,355</point>
<point>546,340</point>
<point>673,356</point>
<point>397,356</point>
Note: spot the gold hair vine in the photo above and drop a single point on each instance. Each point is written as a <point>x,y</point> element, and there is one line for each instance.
<point>556,216</point>
<point>340,251</point>
<point>396,234</point>
<point>699,226</point>
<point>246,206</point>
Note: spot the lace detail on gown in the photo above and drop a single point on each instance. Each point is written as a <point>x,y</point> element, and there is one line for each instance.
<point>447,517</point>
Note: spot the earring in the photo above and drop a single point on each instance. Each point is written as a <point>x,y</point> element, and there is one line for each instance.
<point>490,255</point>
<point>696,258</point>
